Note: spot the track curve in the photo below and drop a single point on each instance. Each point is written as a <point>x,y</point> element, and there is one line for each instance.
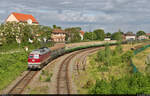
<point>63,79</point>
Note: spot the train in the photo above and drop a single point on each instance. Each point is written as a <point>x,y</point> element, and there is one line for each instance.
<point>38,58</point>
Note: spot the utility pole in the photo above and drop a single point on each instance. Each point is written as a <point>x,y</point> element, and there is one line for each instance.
<point>90,30</point>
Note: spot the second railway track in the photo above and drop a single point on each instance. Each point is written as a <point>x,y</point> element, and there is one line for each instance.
<point>63,79</point>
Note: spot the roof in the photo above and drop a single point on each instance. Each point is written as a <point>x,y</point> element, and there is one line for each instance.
<point>58,31</point>
<point>40,51</point>
<point>82,32</point>
<point>148,34</point>
<point>130,35</point>
<point>24,17</point>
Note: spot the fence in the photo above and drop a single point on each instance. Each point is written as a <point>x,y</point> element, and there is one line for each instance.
<point>135,53</point>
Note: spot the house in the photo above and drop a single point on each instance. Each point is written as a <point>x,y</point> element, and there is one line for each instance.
<point>23,18</point>
<point>148,35</point>
<point>142,37</point>
<point>130,36</point>
<point>58,35</point>
<point>107,38</point>
<point>123,37</point>
<point>81,34</point>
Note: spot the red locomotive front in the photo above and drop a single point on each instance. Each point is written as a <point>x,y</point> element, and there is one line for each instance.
<point>37,58</point>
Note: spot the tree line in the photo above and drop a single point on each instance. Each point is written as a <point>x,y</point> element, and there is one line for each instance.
<point>99,34</point>
<point>13,32</point>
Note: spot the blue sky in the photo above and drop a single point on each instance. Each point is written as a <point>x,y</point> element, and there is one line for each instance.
<point>110,15</point>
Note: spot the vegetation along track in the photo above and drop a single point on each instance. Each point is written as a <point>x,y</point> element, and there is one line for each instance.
<point>63,79</point>
<point>82,59</point>
<point>22,83</point>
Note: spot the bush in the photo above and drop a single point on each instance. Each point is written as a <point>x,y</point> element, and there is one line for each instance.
<point>103,68</point>
<point>134,84</point>
<point>127,56</point>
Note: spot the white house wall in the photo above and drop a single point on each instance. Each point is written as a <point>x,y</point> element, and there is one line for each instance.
<point>130,37</point>
<point>81,36</point>
<point>12,18</point>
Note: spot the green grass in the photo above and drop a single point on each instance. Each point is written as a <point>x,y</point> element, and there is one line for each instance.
<point>11,65</point>
<point>45,76</point>
<point>40,90</point>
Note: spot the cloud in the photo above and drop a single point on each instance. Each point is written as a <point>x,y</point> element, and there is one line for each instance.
<point>108,14</point>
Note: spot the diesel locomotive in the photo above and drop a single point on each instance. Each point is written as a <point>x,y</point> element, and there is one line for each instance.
<point>40,57</point>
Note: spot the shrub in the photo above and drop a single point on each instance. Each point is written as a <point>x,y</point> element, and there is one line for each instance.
<point>103,68</point>
<point>127,56</point>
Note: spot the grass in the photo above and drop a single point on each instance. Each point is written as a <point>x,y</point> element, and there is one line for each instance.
<point>11,66</point>
<point>105,72</point>
<point>40,90</point>
<point>139,60</point>
<point>45,76</point>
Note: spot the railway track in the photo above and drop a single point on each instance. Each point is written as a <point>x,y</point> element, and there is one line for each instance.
<point>82,59</point>
<point>22,83</point>
<point>63,79</point>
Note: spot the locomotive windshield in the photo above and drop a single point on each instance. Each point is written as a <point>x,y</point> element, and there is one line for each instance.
<point>36,56</point>
<point>31,56</point>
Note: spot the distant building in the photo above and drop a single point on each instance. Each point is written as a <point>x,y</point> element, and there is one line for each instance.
<point>142,37</point>
<point>20,17</point>
<point>148,35</point>
<point>123,37</point>
<point>58,35</point>
<point>107,38</point>
<point>130,37</point>
<point>81,34</point>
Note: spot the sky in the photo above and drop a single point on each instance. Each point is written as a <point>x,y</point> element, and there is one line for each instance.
<point>110,15</point>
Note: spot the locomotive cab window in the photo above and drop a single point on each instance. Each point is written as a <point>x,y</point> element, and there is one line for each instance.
<point>36,56</point>
<point>31,56</point>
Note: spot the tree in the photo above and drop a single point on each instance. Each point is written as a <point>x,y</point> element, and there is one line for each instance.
<point>73,34</point>
<point>139,33</point>
<point>127,56</point>
<point>129,33</point>
<point>56,27</point>
<point>100,34</point>
<point>120,31</point>
<point>116,36</point>
<point>89,36</point>
<point>13,32</point>
<point>118,49</point>
<point>101,87</point>
<point>108,34</point>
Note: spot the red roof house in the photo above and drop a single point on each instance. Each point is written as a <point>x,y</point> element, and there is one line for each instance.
<point>20,17</point>
<point>147,34</point>
<point>81,34</point>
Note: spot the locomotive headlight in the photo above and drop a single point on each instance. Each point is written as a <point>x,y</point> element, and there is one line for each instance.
<point>33,60</point>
